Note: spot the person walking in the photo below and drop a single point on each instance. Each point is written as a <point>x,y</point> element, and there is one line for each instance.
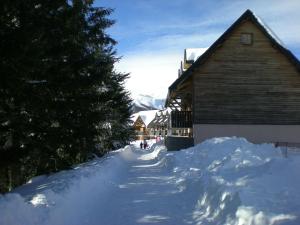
<point>145,144</point>
<point>141,145</point>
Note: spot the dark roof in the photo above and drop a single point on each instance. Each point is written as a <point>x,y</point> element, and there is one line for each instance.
<point>160,119</point>
<point>248,15</point>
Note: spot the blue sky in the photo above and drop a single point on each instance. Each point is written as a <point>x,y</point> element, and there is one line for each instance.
<point>152,34</point>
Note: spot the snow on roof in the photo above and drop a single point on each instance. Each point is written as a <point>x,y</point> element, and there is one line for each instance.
<point>164,112</point>
<point>268,29</point>
<point>192,54</point>
<point>134,117</point>
<point>147,116</point>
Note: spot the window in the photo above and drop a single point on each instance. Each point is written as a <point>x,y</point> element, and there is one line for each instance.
<point>246,38</point>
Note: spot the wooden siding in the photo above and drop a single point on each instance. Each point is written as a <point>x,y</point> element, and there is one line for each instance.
<point>246,84</point>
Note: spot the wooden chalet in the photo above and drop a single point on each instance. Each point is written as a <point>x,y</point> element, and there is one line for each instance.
<point>246,84</point>
<point>140,123</point>
<point>140,128</point>
<point>160,124</point>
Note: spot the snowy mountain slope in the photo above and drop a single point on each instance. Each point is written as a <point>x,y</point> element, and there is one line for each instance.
<point>221,181</point>
<point>146,102</point>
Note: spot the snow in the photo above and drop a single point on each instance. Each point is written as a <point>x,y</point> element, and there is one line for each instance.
<point>148,102</point>
<point>220,181</point>
<point>147,116</point>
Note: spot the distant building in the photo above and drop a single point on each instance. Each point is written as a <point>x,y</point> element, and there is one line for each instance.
<point>140,128</point>
<point>140,124</point>
<point>160,124</point>
<point>246,84</point>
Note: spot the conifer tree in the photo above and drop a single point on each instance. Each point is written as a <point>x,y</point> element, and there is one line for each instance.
<point>60,95</point>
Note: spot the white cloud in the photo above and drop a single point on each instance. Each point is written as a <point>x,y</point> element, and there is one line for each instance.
<point>152,73</point>
<point>154,66</point>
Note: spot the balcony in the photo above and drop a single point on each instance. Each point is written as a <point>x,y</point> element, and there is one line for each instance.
<point>181,119</point>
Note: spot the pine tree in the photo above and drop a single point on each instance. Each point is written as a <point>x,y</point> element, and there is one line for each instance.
<point>60,95</point>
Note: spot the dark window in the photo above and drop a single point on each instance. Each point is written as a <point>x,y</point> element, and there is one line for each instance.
<point>246,38</point>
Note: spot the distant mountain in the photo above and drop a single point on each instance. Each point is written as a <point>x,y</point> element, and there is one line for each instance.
<point>147,102</point>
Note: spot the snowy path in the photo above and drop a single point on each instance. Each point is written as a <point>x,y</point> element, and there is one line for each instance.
<point>221,181</point>
<point>136,188</point>
<point>149,194</point>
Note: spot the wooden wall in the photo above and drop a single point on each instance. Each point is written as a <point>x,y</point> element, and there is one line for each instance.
<point>246,84</point>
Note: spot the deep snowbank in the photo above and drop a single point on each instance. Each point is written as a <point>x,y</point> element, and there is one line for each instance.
<point>241,183</point>
<point>221,181</point>
<point>68,197</point>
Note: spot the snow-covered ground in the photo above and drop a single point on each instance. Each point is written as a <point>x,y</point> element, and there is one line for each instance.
<point>221,181</point>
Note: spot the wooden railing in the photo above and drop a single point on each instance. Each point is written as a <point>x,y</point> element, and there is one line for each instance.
<point>181,119</point>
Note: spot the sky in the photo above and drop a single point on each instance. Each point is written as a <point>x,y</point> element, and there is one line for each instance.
<point>152,34</point>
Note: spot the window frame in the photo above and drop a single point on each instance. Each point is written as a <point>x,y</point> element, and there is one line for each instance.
<point>244,38</point>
